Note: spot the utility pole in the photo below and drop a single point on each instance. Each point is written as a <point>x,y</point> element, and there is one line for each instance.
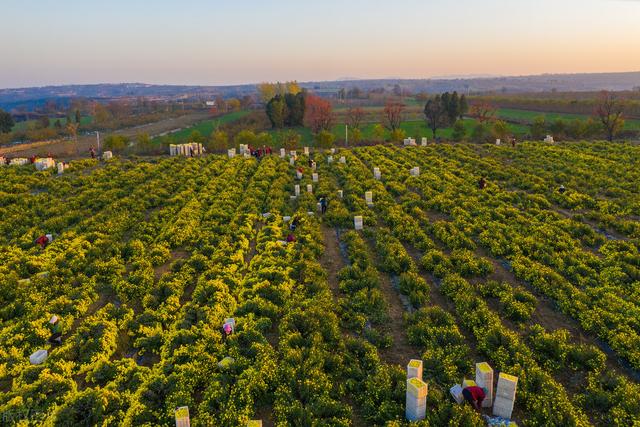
<point>98,138</point>
<point>346,134</point>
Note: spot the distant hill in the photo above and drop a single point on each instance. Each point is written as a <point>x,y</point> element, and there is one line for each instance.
<point>30,98</point>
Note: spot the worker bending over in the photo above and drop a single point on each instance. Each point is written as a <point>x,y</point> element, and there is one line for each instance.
<point>482,184</point>
<point>474,395</point>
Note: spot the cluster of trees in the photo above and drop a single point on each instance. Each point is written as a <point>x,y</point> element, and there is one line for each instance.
<point>444,110</point>
<point>286,110</point>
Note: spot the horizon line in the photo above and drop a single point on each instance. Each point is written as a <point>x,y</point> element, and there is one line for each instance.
<point>471,76</point>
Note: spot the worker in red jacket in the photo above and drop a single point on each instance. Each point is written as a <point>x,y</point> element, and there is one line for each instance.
<point>43,241</point>
<point>474,395</point>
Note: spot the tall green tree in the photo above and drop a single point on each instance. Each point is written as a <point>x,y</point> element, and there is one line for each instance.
<point>435,114</point>
<point>277,112</point>
<point>463,106</point>
<point>295,109</point>
<point>453,108</point>
<point>6,122</point>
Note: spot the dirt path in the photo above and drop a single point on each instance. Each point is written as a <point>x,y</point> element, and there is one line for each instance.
<point>332,259</point>
<point>401,351</point>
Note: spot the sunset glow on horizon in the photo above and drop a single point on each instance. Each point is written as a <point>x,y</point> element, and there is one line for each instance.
<point>248,41</point>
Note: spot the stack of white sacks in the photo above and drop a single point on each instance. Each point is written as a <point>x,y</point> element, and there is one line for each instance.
<point>3,161</point>
<point>376,173</point>
<point>309,188</point>
<point>244,148</point>
<point>185,149</point>
<point>505,395</point>
<point>107,155</point>
<point>415,171</point>
<point>484,379</point>
<point>549,139</point>
<point>357,222</point>
<point>20,161</point>
<point>368,197</point>
<point>343,160</point>
<point>232,152</point>
<point>424,142</point>
<point>409,141</point>
<point>314,177</point>
<point>416,402</point>
<point>42,164</point>
<point>283,153</point>
<point>306,151</point>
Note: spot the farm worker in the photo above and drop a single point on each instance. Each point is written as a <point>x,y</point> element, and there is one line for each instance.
<point>291,238</point>
<point>32,159</point>
<point>43,241</point>
<point>310,162</point>
<point>474,395</point>
<point>56,331</point>
<point>562,190</point>
<point>482,184</point>
<point>294,224</point>
<point>323,204</point>
<point>226,330</point>
<point>513,142</point>
<point>92,151</point>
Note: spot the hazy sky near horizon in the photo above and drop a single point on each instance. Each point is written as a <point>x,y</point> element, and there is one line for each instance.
<point>247,41</point>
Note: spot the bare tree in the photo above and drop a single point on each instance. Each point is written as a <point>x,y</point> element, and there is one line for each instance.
<point>393,114</point>
<point>354,117</point>
<point>609,111</point>
<point>318,114</point>
<point>483,112</point>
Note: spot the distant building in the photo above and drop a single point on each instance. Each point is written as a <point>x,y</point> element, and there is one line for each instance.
<point>211,103</point>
